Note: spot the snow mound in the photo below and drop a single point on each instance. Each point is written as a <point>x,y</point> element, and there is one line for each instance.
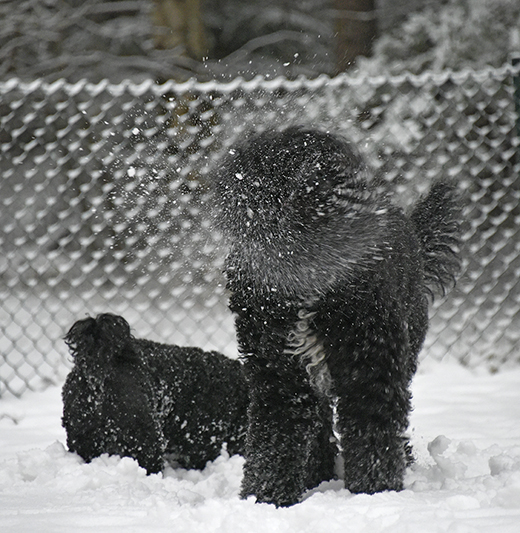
<point>466,478</point>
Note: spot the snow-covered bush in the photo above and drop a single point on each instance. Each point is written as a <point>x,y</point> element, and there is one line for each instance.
<point>454,35</point>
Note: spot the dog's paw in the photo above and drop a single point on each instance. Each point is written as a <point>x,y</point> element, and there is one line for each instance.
<point>278,497</point>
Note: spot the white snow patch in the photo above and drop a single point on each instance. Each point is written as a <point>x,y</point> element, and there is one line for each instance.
<point>466,435</point>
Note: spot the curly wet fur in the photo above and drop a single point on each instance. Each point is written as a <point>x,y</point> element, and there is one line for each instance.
<point>329,284</point>
<point>138,398</point>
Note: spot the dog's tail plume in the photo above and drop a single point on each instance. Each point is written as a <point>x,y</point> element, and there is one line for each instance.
<point>101,340</point>
<point>436,218</point>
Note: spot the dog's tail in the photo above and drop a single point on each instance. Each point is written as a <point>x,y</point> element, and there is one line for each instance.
<point>100,341</point>
<point>436,218</point>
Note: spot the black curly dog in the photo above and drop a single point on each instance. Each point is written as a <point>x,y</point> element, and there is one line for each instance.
<point>330,286</point>
<point>141,399</point>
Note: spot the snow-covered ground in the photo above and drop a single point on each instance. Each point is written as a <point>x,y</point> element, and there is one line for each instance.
<point>465,430</point>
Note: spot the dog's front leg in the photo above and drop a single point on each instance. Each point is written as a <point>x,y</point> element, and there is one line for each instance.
<point>289,446</point>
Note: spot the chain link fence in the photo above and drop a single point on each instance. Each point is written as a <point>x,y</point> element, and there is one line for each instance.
<point>105,202</point>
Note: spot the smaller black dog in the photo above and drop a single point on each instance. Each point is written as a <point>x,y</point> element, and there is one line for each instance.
<point>137,398</point>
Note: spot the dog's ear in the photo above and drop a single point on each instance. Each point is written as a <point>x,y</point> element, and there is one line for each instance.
<point>83,332</point>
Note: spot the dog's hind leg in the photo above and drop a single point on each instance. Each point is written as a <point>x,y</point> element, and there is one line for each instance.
<point>374,448</point>
<point>370,368</point>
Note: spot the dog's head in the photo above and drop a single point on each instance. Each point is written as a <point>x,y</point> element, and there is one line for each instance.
<point>297,210</point>
<point>277,182</point>
<point>97,342</point>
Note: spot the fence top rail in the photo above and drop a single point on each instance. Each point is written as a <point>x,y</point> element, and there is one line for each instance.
<point>258,82</point>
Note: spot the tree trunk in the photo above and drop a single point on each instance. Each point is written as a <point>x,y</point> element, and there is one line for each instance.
<point>356,29</point>
<point>179,23</point>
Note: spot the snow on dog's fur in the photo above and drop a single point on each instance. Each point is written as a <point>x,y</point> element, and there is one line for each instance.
<point>146,400</point>
<point>329,283</point>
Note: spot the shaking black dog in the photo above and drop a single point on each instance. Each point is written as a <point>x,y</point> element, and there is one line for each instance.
<point>330,285</point>
<point>141,399</point>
